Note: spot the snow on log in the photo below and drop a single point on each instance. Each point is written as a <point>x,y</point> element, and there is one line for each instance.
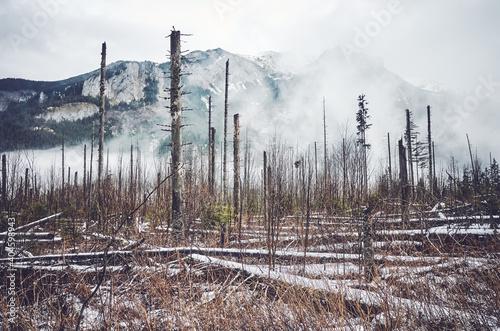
<point>33,224</point>
<point>368,298</point>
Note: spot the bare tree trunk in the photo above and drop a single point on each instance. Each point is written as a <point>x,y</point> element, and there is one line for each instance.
<point>101,120</point>
<point>212,155</point>
<point>177,160</point>
<point>236,158</point>
<point>266,216</point>
<point>475,175</point>
<point>429,141</point>
<point>107,164</point>
<point>365,170</point>
<point>344,174</point>
<point>316,161</point>
<point>271,209</point>
<point>246,173</point>
<point>410,152</point>
<point>131,179</point>
<point>325,152</point>
<point>35,187</point>
<point>63,197</point>
<point>308,204</point>
<point>137,176</point>
<point>26,183</point>
<point>434,183</point>
<point>91,166</point>
<point>368,257</point>
<point>4,181</point>
<point>390,163</point>
<point>210,164</point>
<point>120,182</point>
<point>84,173</point>
<point>224,165</point>
<point>100,159</point>
<point>403,175</point>
<point>69,181</point>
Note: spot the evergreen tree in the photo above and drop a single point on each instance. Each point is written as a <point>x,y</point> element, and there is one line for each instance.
<point>363,125</point>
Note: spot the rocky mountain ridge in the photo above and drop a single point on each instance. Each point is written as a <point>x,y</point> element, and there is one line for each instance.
<point>272,93</point>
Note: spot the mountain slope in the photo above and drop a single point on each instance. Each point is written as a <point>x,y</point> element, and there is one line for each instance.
<point>271,94</point>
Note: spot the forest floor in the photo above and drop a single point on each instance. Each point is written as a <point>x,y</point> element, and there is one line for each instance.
<point>438,271</point>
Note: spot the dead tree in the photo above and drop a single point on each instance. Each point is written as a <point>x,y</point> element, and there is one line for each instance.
<point>120,181</point>
<point>102,88</point>
<point>106,173</point>
<point>475,171</point>
<point>4,180</point>
<point>69,181</point>
<point>344,174</point>
<point>368,257</point>
<point>26,183</point>
<point>429,142</point>
<point>390,163</point>
<point>176,126</point>
<point>434,166</point>
<point>90,168</point>
<point>85,172</point>
<point>100,155</point>
<point>266,216</point>
<point>224,161</point>
<point>246,172</point>
<point>325,152</point>
<point>131,179</point>
<point>316,161</point>
<point>306,197</point>
<point>403,176</point>
<point>210,165</point>
<point>137,174</point>
<point>62,159</point>
<point>409,138</point>
<point>236,158</point>
<point>212,155</point>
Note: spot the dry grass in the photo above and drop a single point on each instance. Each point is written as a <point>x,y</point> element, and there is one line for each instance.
<point>456,291</point>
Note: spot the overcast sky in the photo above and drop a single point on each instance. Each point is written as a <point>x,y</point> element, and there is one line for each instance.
<point>450,41</point>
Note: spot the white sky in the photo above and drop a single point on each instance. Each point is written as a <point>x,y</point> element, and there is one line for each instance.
<point>450,41</point>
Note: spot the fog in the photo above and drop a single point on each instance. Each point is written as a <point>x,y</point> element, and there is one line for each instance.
<point>451,42</point>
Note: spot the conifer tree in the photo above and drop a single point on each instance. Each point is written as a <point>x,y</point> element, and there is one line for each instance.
<point>363,125</point>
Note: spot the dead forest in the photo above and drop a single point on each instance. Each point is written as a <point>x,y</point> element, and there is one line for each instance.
<point>233,238</point>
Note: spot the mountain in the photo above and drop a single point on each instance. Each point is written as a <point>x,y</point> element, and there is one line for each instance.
<point>429,85</point>
<point>274,94</point>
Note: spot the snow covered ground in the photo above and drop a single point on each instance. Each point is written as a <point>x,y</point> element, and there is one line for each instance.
<point>436,280</point>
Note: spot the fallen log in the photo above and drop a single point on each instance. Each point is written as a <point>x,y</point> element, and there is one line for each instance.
<point>376,299</point>
<point>29,235</point>
<point>28,226</point>
<point>228,252</point>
